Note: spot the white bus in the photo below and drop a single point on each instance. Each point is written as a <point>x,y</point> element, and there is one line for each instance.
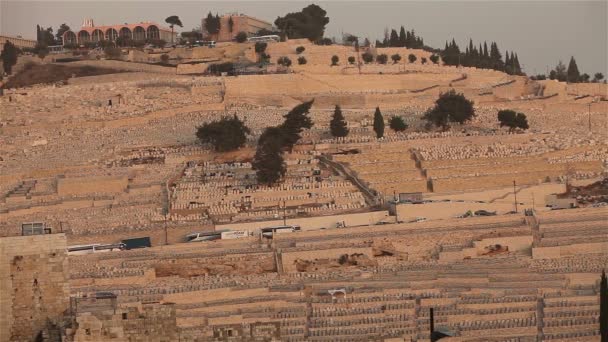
<point>269,232</point>
<point>205,236</point>
<point>95,248</point>
<point>209,43</point>
<point>268,38</point>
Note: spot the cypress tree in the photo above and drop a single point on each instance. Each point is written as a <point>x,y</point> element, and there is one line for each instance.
<point>394,39</point>
<point>604,307</point>
<point>402,37</point>
<point>573,74</point>
<point>9,57</point>
<point>295,122</point>
<point>268,160</point>
<point>338,126</point>
<point>378,123</point>
<point>516,64</point>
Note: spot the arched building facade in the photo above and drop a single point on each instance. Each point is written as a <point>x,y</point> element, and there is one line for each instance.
<point>138,32</point>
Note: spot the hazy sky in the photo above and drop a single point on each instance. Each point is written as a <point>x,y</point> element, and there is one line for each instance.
<point>541,32</point>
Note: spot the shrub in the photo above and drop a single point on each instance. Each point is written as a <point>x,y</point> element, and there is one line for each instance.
<point>241,37</point>
<point>300,49</point>
<point>512,119</point>
<point>367,57</point>
<point>112,52</point>
<point>382,59</point>
<point>260,47</point>
<point>284,61</point>
<point>434,58</point>
<point>396,58</point>
<point>397,124</point>
<point>423,60</point>
<point>334,60</point>
<point>227,134</point>
<point>351,60</point>
<point>412,58</point>
<point>302,60</point>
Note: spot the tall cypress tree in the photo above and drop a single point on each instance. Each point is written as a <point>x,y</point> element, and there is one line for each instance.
<point>295,122</point>
<point>268,160</point>
<point>394,39</point>
<point>573,74</point>
<point>604,307</point>
<point>378,123</point>
<point>338,126</point>
<point>402,37</point>
<point>516,64</point>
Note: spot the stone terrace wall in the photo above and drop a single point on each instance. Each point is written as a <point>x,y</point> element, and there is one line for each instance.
<point>120,65</point>
<point>33,284</point>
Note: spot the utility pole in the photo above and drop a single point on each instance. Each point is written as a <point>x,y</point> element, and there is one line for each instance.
<point>284,213</point>
<point>589,104</point>
<point>515,194</point>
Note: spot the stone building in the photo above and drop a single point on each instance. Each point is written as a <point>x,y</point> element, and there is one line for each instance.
<point>144,322</point>
<point>138,32</point>
<point>17,41</point>
<point>34,289</point>
<point>240,22</point>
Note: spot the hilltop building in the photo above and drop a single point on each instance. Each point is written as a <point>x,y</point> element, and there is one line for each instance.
<point>17,41</point>
<point>138,32</point>
<point>240,22</point>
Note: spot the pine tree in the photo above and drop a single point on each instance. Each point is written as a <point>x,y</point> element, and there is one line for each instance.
<point>268,160</point>
<point>227,134</point>
<point>516,65</point>
<point>397,124</point>
<point>378,123</point>
<point>604,307</point>
<point>295,122</point>
<point>573,74</point>
<point>338,126</point>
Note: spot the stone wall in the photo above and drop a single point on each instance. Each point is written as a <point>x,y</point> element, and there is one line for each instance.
<point>33,285</point>
<point>82,185</point>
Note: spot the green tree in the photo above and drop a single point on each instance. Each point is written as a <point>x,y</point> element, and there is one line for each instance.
<point>334,60</point>
<point>212,24</point>
<point>394,39</point>
<point>396,58</point>
<point>367,57</point>
<point>378,123</point>
<point>402,37</point>
<point>296,120</point>
<point>598,77</point>
<point>382,58</point>
<point>573,73</point>
<point>397,124</point>
<point>559,73</point>
<point>513,120</point>
<point>284,61</point>
<point>172,21</point>
<point>226,134</point>
<point>241,37</point>
<point>260,47</point>
<point>9,56</point>
<point>338,126</point>
<point>230,24</point>
<point>412,58</point>
<point>62,29</point>
<point>308,23</point>
<point>300,49</point>
<point>351,59</point>
<point>112,52</point>
<point>41,50</point>
<point>302,60</point>
<point>423,60</point>
<point>604,307</point>
<point>434,58</point>
<point>268,159</point>
<point>450,107</point>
